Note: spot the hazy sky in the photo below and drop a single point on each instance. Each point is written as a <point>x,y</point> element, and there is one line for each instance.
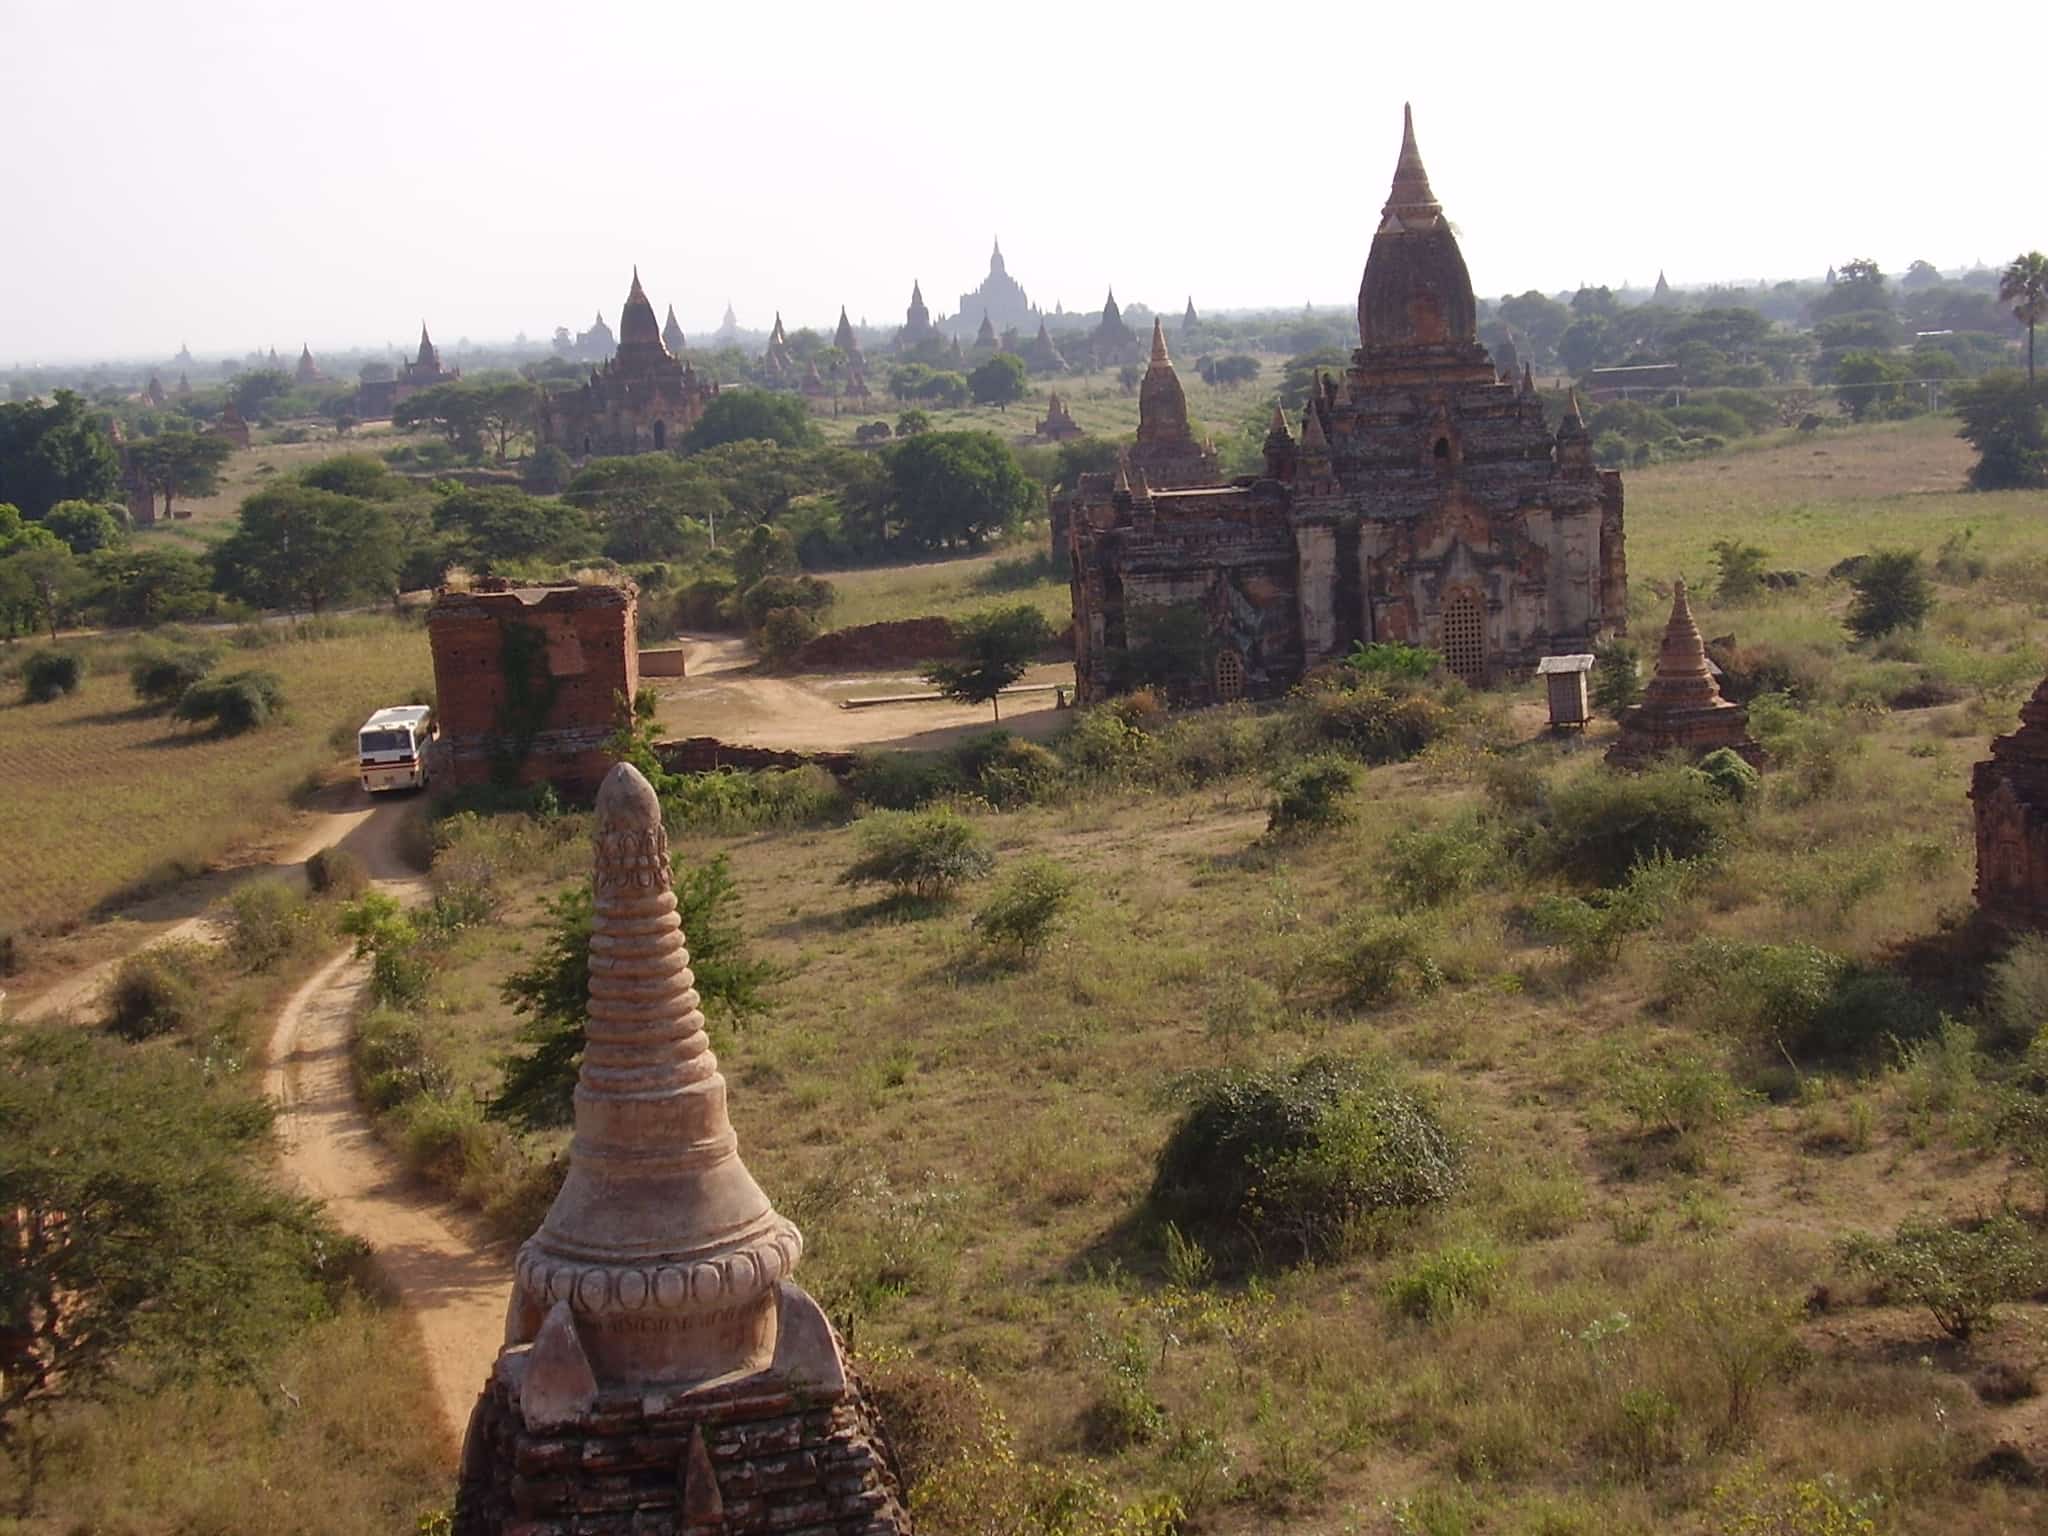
<point>242,173</point>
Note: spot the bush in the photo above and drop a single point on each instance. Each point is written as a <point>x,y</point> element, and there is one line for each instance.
<point>10,952</point>
<point>1892,592</point>
<point>1027,906</point>
<point>784,632</point>
<point>1438,1286</point>
<point>1392,662</point>
<point>162,678</point>
<point>1741,568</point>
<point>1617,676</point>
<point>1304,1158</point>
<point>1601,825</point>
<point>1101,745</point>
<point>395,1064</point>
<point>1429,866</point>
<point>337,872</point>
<point>1593,928</point>
<point>267,919</point>
<point>1311,793</point>
<point>1959,1274</point>
<point>1375,725</point>
<point>155,991</point>
<point>1380,960</point>
<point>2017,1009</point>
<point>734,800</point>
<point>921,853</point>
<point>49,675</point>
<point>902,781</point>
<point>239,702</point>
<point>1008,771</point>
<point>1799,999</point>
<point>1731,773</point>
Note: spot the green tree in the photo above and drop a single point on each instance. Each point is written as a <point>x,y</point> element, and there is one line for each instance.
<point>86,526</point>
<point>912,422</point>
<point>54,452</point>
<point>742,415</point>
<point>552,993</point>
<point>360,475</point>
<point>1238,368</point>
<point>457,410</point>
<point>181,464</point>
<point>1741,568</point>
<point>953,488</point>
<point>995,648</point>
<point>2024,285</point>
<point>1866,382</point>
<point>144,584</point>
<point>648,506</point>
<point>1000,380</point>
<point>497,524</point>
<point>147,1242</point>
<point>252,393</point>
<point>1892,592</point>
<point>2006,419</point>
<point>41,581</point>
<point>505,406</point>
<point>301,547</point>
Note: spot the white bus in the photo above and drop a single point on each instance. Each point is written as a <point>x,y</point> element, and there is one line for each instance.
<point>391,748</point>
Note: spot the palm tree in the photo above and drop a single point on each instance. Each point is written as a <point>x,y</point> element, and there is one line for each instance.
<point>2024,285</point>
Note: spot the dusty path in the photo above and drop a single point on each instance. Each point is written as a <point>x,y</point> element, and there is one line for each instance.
<point>723,697</point>
<point>450,1275</point>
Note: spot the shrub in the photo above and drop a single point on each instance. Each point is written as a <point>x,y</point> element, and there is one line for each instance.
<point>49,675</point>
<point>1680,1097</point>
<point>163,677</point>
<point>1375,725</point>
<point>394,1063</point>
<point>1601,825</point>
<point>1303,1157</point>
<point>1392,662</point>
<point>266,921</point>
<point>1217,744</point>
<point>785,631</point>
<point>155,991</point>
<point>1958,1273</point>
<point>10,952</point>
<point>1101,745</point>
<point>1799,999</point>
<point>1380,960</point>
<point>1892,592</point>
<point>902,781</point>
<point>337,872</point>
<point>1431,865</point>
<point>239,702</point>
<point>1027,906</point>
<point>1438,1286</point>
<point>1741,568</point>
<point>1006,770</point>
<point>1311,793</point>
<point>1617,676</point>
<point>1731,774</point>
<point>922,853</point>
<point>1593,928</point>
<point>732,799</point>
<point>2017,1008</point>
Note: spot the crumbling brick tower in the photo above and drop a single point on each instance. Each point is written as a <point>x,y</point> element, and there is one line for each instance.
<point>2009,792</point>
<point>528,681</point>
<point>660,1371</point>
<point>1682,709</point>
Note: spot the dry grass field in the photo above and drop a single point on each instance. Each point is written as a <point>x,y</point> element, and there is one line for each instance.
<point>1640,1311</point>
<point>103,795</point>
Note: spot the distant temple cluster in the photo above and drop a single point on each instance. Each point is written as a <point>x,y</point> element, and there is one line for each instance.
<point>1423,499</point>
<point>641,399</point>
<point>380,397</point>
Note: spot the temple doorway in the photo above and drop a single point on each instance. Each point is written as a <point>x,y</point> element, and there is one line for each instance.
<point>660,436</point>
<point>1465,639</point>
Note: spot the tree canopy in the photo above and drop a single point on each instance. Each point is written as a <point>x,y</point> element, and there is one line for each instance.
<point>1000,380</point>
<point>301,547</point>
<point>54,452</point>
<point>995,647</point>
<point>2006,420</point>
<point>957,488</point>
<point>496,524</point>
<point>738,415</point>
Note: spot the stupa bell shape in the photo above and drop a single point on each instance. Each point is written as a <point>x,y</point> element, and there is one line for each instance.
<point>665,1250</point>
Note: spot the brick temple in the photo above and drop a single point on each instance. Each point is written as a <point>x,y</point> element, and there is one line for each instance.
<point>1682,712</point>
<point>380,397</point>
<point>642,400</point>
<point>1421,499</point>
<point>528,681</point>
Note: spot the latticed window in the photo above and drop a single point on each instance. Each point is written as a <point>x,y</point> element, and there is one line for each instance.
<point>1465,639</point>
<point>1229,677</point>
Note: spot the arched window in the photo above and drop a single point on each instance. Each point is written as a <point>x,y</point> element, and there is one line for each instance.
<point>1465,639</point>
<point>1229,676</point>
<point>1442,450</point>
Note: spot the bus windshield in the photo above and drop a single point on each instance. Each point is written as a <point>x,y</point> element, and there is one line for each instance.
<point>385,741</point>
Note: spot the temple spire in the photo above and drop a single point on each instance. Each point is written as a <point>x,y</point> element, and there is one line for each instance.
<point>1159,357</point>
<point>1411,195</point>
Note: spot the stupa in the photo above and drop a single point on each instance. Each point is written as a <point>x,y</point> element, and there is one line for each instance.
<point>1682,709</point>
<point>660,1371</point>
<point>2009,791</point>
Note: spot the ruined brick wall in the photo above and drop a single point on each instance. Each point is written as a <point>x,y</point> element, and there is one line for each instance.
<point>580,657</point>
<point>703,754</point>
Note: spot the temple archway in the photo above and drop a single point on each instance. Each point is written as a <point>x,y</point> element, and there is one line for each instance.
<point>1464,638</point>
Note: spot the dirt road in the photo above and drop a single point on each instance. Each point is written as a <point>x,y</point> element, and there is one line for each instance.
<point>801,712</point>
<point>452,1276</point>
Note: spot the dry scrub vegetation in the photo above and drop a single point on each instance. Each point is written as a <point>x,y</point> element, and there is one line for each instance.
<point>1559,1180</point>
<point>106,794</point>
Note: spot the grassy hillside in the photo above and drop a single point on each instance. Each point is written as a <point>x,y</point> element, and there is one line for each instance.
<point>1650,1303</point>
<point>102,793</point>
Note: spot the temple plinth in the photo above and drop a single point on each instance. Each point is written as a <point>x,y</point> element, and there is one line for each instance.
<point>660,1371</point>
<point>2009,792</point>
<point>1682,709</point>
